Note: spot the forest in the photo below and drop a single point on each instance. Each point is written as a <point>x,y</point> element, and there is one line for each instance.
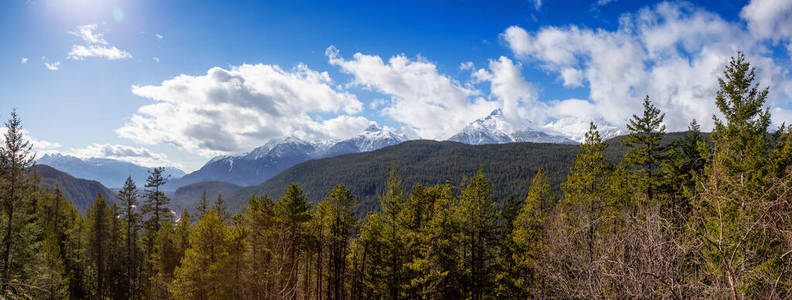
<point>687,219</point>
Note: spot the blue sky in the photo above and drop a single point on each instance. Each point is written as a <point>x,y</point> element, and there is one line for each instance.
<point>176,82</point>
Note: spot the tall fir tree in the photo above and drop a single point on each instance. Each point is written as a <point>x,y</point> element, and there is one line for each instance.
<point>128,195</point>
<point>646,153</point>
<point>21,235</point>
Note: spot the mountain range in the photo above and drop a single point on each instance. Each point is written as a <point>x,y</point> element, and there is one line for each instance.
<point>264,162</point>
<point>110,172</point>
<point>495,129</point>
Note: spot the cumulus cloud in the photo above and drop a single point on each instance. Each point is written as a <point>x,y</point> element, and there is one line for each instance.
<point>53,66</point>
<point>672,52</point>
<point>159,36</point>
<point>96,45</point>
<point>139,156</point>
<point>429,103</point>
<point>155,59</point>
<point>516,97</point>
<point>23,60</point>
<point>769,18</point>
<point>236,109</point>
<point>39,146</point>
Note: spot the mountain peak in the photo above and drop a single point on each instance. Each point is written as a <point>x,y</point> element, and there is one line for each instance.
<point>372,128</point>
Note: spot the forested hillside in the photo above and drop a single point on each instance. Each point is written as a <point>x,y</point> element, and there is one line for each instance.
<point>646,219</point>
<point>81,192</point>
<point>509,167</point>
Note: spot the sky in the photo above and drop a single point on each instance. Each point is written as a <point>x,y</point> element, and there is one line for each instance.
<point>178,82</point>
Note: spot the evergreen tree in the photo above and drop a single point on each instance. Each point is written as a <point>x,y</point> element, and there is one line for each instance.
<point>734,202</point>
<point>203,204</point>
<point>293,214</point>
<point>21,234</point>
<point>204,271</point>
<point>129,199</point>
<point>339,225</point>
<point>261,222</point>
<point>645,151</point>
<point>156,205</point>
<point>99,224</point>
<point>391,203</point>
<point>479,236</point>
<point>528,231</point>
<point>222,209</point>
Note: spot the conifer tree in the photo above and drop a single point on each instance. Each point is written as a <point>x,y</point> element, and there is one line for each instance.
<point>391,203</point>
<point>204,271</point>
<point>261,222</point>
<point>129,199</point>
<point>20,233</point>
<point>479,236</point>
<point>293,213</point>
<point>222,209</point>
<point>645,150</point>
<point>99,224</point>
<point>156,205</point>
<point>528,232</point>
<point>734,201</point>
<point>203,205</point>
<point>340,222</point>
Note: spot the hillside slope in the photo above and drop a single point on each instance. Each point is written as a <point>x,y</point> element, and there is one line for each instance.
<point>81,192</point>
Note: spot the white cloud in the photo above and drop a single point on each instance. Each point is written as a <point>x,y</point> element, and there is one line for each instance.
<point>96,45</point>
<point>429,103</point>
<point>537,4</point>
<point>466,65</point>
<point>88,34</point>
<point>80,52</point>
<point>54,66</point>
<point>139,156</point>
<point>159,36</point>
<point>572,77</point>
<point>672,52</point>
<point>155,59</point>
<point>23,61</point>
<point>39,146</point>
<point>769,18</point>
<point>236,109</point>
<point>517,97</point>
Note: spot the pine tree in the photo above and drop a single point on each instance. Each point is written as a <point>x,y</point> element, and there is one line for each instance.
<point>581,207</point>
<point>20,233</point>
<point>293,213</point>
<point>391,203</point>
<point>222,209</point>
<point>205,270</point>
<point>528,232</point>
<point>129,199</point>
<point>339,222</point>
<point>645,151</point>
<point>734,201</point>
<point>479,236</point>
<point>203,205</point>
<point>99,219</point>
<point>261,222</point>
<point>156,204</point>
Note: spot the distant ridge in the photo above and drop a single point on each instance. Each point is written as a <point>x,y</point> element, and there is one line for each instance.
<point>81,192</point>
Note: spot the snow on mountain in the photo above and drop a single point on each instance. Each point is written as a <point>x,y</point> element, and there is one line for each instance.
<point>495,129</point>
<point>266,161</point>
<point>110,172</point>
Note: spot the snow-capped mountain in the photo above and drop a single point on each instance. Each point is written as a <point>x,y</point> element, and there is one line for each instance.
<point>495,129</point>
<point>110,172</point>
<point>263,162</point>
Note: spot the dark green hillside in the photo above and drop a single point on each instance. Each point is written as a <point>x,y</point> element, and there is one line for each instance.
<point>188,196</point>
<point>509,166</point>
<point>81,192</point>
